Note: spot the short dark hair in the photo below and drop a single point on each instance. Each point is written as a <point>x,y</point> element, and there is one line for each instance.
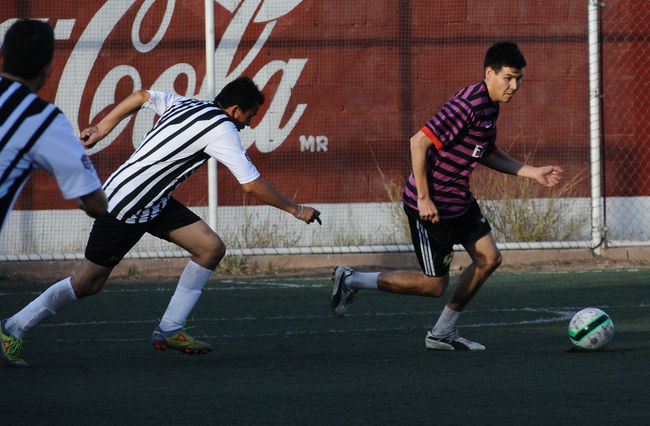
<point>28,48</point>
<point>504,54</point>
<point>242,92</point>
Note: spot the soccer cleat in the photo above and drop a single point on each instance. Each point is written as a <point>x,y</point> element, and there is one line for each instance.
<point>178,340</point>
<point>10,348</point>
<point>342,295</point>
<point>451,342</point>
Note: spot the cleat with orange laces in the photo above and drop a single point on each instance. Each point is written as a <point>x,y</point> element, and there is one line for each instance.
<point>10,348</point>
<point>178,340</point>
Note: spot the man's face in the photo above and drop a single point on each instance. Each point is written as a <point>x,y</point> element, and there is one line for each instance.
<point>243,118</point>
<point>503,85</point>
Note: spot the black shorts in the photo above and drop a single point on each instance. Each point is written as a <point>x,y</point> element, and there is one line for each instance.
<point>110,239</point>
<point>434,242</point>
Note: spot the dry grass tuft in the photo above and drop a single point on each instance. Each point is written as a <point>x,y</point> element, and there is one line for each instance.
<point>522,210</point>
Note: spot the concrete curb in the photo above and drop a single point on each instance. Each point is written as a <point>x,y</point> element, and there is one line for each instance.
<point>312,264</point>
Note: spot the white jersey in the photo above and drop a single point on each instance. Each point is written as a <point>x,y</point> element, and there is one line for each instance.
<point>36,134</point>
<point>187,134</point>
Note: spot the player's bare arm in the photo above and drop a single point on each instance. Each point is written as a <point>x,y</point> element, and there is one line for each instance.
<point>500,161</point>
<point>547,175</point>
<point>94,204</point>
<point>90,136</point>
<point>420,144</point>
<point>265,192</point>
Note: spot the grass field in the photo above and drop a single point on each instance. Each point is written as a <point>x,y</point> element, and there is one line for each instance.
<point>281,358</point>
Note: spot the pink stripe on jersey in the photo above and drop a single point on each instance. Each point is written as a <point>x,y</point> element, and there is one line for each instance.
<point>464,130</point>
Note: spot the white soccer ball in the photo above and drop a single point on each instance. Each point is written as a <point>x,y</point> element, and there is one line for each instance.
<point>591,329</point>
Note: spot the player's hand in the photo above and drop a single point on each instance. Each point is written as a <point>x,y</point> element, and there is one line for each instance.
<point>549,175</point>
<point>308,214</point>
<point>90,136</point>
<point>428,210</point>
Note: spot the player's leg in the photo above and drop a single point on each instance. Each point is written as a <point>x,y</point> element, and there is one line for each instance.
<point>415,283</point>
<point>207,250</point>
<point>473,227</point>
<point>89,280</point>
<point>205,246</point>
<point>434,254</point>
<point>474,232</point>
<point>486,258</point>
<point>347,282</point>
<point>13,329</point>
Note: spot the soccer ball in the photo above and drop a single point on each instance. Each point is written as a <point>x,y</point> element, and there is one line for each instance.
<point>591,329</point>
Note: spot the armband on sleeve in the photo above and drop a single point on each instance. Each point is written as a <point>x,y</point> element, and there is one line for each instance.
<point>436,142</point>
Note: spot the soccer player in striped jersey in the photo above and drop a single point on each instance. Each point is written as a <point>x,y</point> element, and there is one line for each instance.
<point>439,205</point>
<point>35,134</point>
<point>187,134</point>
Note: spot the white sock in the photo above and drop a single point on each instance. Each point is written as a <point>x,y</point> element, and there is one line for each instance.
<point>446,322</point>
<point>367,280</point>
<point>187,293</point>
<point>56,297</point>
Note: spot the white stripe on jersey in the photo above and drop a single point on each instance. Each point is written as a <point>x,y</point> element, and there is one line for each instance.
<point>170,153</point>
<point>425,249</point>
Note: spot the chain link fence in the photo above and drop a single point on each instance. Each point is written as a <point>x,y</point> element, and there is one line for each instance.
<point>347,84</point>
<point>625,41</point>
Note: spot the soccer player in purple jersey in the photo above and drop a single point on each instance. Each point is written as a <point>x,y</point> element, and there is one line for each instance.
<point>440,207</point>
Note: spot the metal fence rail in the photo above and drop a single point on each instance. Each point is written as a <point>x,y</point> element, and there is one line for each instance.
<point>347,85</point>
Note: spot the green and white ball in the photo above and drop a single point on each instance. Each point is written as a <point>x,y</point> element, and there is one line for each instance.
<point>591,329</point>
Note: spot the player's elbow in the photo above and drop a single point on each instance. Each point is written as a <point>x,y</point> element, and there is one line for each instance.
<point>251,188</point>
<point>247,188</point>
<point>134,102</point>
<point>95,212</point>
<point>141,95</point>
<point>94,204</point>
<point>420,142</point>
<point>415,142</point>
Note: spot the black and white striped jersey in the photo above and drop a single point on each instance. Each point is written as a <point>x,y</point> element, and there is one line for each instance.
<point>36,134</point>
<point>188,132</point>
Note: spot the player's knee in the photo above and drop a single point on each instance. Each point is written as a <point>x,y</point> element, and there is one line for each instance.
<point>86,287</point>
<point>437,291</point>
<point>496,260</point>
<point>215,253</point>
<point>436,286</point>
<point>90,279</point>
<point>490,262</point>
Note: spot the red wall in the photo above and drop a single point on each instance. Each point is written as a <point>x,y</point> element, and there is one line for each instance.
<point>375,71</point>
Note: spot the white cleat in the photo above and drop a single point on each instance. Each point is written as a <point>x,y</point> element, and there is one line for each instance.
<point>451,342</point>
<point>342,295</point>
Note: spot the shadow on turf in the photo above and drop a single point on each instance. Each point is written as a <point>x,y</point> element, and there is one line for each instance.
<point>597,351</point>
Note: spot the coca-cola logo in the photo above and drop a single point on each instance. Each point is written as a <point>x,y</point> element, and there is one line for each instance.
<point>268,133</point>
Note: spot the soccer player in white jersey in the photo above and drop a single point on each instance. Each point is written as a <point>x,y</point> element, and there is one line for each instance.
<point>35,134</point>
<point>188,132</point>
<point>439,204</point>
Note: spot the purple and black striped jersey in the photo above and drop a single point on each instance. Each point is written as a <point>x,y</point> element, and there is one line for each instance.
<point>463,131</point>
